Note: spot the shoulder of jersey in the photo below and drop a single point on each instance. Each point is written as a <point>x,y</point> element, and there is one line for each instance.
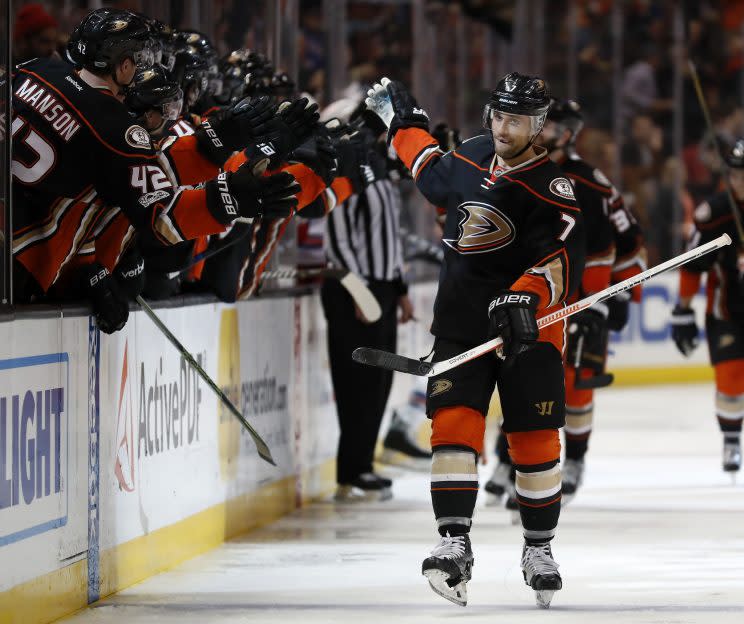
<point>478,149</point>
<point>549,181</point>
<point>102,112</point>
<point>581,172</point>
<point>712,209</point>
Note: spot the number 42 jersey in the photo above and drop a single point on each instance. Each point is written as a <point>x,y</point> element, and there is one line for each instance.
<point>77,150</point>
<point>515,228</point>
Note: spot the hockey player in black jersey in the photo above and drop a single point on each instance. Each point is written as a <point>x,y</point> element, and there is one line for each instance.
<point>609,225</point>
<point>724,320</point>
<point>77,149</point>
<point>514,246</point>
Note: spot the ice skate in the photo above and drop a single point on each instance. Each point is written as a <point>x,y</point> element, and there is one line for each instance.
<point>540,572</point>
<point>498,484</point>
<point>450,567</point>
<point>731,457</point>
<point>400,447</point>
<point>367,487</point>
<point>572,473</point>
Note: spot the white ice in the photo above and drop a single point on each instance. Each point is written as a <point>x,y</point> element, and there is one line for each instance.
<point>655,535</point>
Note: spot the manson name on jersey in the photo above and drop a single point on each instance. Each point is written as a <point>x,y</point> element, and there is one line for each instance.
<point>50,108</point>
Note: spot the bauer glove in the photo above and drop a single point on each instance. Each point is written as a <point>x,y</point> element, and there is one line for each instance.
<point>293,124</point>
<point>235,128</point>
<point>511,315</point>
<point>130,273</point>
<point>110,307</point>
<point>408,114</point>
<point>618,311</point>
<point>244,194</point>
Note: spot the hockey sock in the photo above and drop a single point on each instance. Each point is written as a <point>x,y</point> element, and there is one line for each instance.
<point>454,488</point>
<point>538,485</point>
<point>729,411</point>
<point>578,429</point>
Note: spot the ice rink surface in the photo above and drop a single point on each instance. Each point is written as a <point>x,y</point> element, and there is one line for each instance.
<point>656,534</point>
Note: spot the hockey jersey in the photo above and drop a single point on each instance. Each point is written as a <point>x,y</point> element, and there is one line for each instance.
<point>724,285</point>
<point>518,228</point>
<point>76,150</point>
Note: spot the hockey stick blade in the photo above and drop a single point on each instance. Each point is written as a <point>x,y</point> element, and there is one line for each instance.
<point>362,296</point>
<point>261,446</point>
<point>393,361</point>
<point>390,361</point>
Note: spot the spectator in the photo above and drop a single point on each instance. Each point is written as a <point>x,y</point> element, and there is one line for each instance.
<point>34,33</point>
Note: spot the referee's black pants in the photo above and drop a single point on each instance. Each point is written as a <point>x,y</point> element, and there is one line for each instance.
<point>361,391</point>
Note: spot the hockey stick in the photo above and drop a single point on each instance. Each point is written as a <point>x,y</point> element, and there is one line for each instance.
<point>709,123</point>
<point>393,361</point>
<point>360,293</point>
<point>261,446</point>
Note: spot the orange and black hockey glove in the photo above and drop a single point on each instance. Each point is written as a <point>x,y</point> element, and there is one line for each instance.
<point>511,315</point>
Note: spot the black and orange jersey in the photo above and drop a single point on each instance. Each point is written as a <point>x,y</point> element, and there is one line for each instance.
<point>724,289</point>
<point>77,150</point>
<point>594,194</point>
<point>517,228</point>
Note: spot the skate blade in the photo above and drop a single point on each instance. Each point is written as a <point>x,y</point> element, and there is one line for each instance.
<point>438,582</point>
<point>543,597</point>
<point>351,495</point>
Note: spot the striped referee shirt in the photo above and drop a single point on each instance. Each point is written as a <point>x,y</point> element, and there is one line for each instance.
<point>363,234</point>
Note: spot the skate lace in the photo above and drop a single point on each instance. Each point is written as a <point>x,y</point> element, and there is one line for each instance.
<point>540,559</point>
<point>450,547</point>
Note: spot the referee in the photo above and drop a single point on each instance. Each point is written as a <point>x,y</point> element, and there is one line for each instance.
<point>363,236</point>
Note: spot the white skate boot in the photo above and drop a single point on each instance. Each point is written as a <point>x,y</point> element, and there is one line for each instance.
<point>540,572</point>
<point>572,473</point>
<point>450,567</point>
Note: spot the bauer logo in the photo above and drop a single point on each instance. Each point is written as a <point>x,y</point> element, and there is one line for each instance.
<point>33,445</point>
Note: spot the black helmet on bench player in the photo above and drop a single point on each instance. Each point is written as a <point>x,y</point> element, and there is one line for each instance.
<point>152,88</point>
<point>106,37</point>
<point>567,114</point>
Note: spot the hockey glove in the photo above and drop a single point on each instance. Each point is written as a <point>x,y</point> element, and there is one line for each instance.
<point>448,138</point>
<point>408,114</point>
<point>684,330</point>
<point>130,273</point>
<point>587,339</point>
<point>378,101</point>
<point>294,124</point>
<point>110,307</point>
<point>235,128</point>
<point>245,194</point>
<point>512,316</point>
<point>320,155</point>
<point>618,311</point>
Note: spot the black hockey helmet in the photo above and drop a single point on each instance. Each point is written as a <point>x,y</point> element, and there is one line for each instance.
<point>519,94</point>
<point>567,113</point>
<point>106,37</point>
<point>190,70</point>
<point>152,88</point>
<point>735,157</point>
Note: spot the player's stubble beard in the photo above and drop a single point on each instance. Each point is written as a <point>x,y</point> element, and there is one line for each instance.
<point>512,150</point>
